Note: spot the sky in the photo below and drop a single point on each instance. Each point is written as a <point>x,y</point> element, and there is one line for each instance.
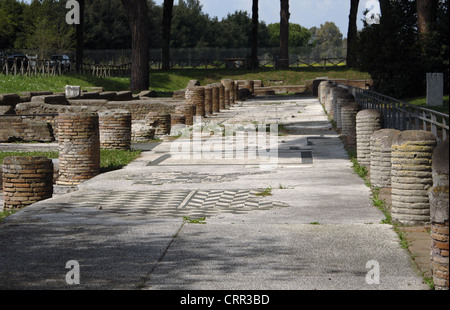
<point>308,13</point>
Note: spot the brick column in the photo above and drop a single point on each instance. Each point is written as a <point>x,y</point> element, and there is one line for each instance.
<point>328,99</point>
<point>79,147</point>
<point>380,157</point>
<point>336,92</point>
<point>229,92</point>
<point>196,95</point>
<point>26,180</point>
<point>439,216</point>
<point>208,100</point>
<point>324,88</point>
<point>340,100</point>
<point>250,85</point>
<point>348,119</point>
<point>411,176</point>
<point>188,110</point>
<point>115,129</point>
<point>215,98</point>
<point>367,122</point>
<point>221,96</point>
<point>160,121</point>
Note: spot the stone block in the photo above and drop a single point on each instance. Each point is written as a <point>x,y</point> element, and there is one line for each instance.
<point>51,99</point>
<point>435,89</point>
<point>124,96</point>
<point>9,100</point>
<point>72,91</point>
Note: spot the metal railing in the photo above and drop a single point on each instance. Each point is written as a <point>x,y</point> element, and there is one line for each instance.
<point>401,115</point>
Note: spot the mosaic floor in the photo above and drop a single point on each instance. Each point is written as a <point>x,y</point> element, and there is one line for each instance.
<point>195,203</point>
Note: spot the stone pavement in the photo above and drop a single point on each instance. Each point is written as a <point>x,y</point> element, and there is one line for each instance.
<point>218,223</point>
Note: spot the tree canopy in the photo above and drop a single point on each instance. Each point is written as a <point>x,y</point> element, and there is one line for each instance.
<point>24,26</point>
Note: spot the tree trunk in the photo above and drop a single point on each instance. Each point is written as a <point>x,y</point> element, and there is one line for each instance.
<point>284,35</point>
<point>166,26</point>
<point>352,34</point>
<point>385,8</point>
<point>426,14</point>
<point>255,24</point>
<point>79,33</point>
<point>136,11</point>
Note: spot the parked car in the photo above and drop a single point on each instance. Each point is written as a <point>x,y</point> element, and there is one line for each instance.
<point>19,59</point>
<point>60,60</point>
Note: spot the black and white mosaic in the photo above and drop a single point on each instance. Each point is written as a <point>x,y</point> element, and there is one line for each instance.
<point>195,203</point>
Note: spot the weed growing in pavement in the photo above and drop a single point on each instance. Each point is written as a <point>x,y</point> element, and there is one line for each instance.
<point>266,192</point>
<point>188,219</point>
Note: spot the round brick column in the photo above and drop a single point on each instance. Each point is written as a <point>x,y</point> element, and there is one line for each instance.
<point>348,119</point>
<point>236,92</point>
<point>215,98</point>
<point>79,147</point>
<point>340,100</point>
<point>439,217</point>
<point>320,90</point>
<point>115,129</point>
<point>229,92</point>
<point>411,176</point>
<point>250,85</point>
<point>196,95</point>
<point>26,180</point>
<point>221,96</point>
<point>208,100</point>
<point>367,122</point>
<point>328,100</point>
<point>189,111</point>
<point>160,121</point>
<point>380,157</point>
<point>336,92</point>
<point>324,88</point>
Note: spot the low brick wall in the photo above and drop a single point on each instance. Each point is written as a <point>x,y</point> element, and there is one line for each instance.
<point>17,128</point>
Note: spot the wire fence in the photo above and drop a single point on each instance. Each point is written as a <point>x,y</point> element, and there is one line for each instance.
<point>117,62</point>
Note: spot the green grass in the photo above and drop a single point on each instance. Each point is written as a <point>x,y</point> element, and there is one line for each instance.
<point>178,79</point>
<point>5,213</point>
<point>190,220</point>
<point>48,154</point>
<point>116,159</point>
<point>17,84</point>
<point>169,81</point>
<point>266,192</point>
<point>422,102</point>
<point>109,159</point>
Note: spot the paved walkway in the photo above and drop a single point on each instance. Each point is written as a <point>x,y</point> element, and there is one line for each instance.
<point>172,222</point>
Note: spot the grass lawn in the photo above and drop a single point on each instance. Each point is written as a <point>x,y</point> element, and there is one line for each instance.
<point>109,159</point>
<point>422,102</point>
<point>168,81</point>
